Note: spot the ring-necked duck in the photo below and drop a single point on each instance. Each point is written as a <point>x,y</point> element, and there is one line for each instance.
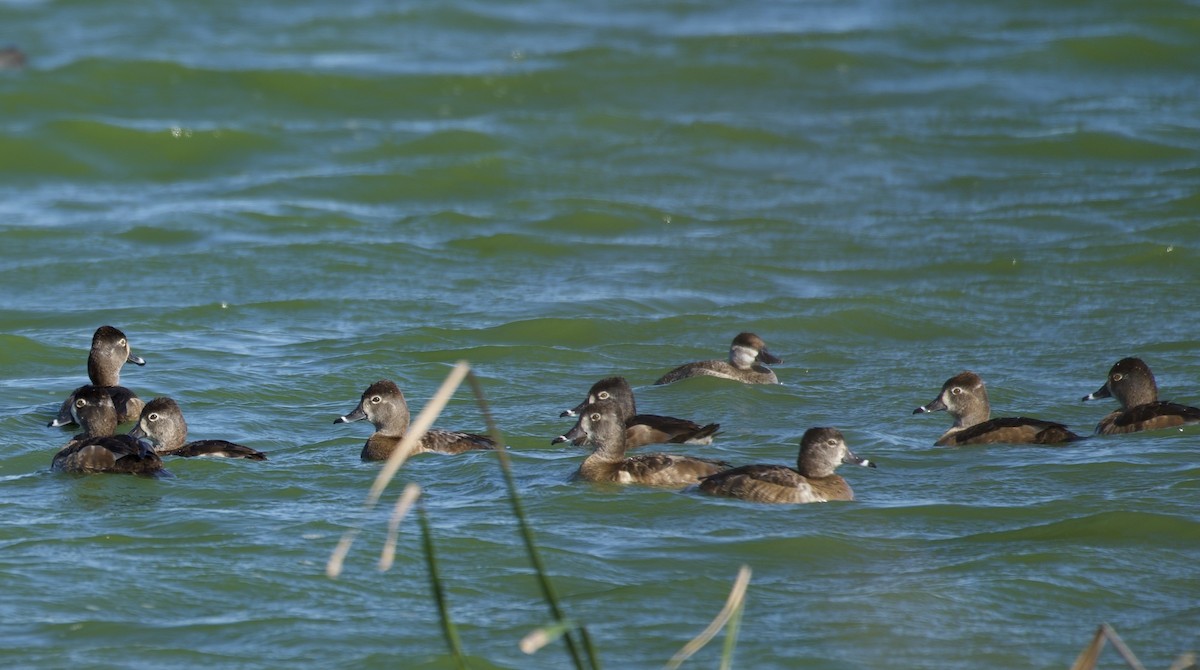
<point>600,426</point>
<point>384,405</point>
<point>813,479</point>
<point>747,356</point>
<point>965,398</point>
<point>110,351</point>
<point>98,449</point>
<point>162,424</point>
<point>1132,384</point>
<point>642,429</point>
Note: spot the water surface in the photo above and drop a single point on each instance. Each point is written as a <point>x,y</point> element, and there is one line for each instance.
<point>280,204</point>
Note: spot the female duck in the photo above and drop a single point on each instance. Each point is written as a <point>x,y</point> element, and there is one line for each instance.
<point>965,398</point>
<point>1132,384</point>
<point>163,426</point>
<point>747,358</point>
<point>384,405</point>
<point>98,449</point>
<point>642,429</point>
<point>600,426</point>
<point>110,351</point>
<point>822,450</point>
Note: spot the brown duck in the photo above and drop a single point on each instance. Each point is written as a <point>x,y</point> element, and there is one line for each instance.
<point>1132,383</point>
<point>642,429</point>
<point>601,427</point>
<point>965,398</point>
<point>384,405</point>
<point>822,450</point>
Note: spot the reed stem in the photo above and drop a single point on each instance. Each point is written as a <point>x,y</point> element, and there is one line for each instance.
<point>535,559</point>
<point>439,593</point>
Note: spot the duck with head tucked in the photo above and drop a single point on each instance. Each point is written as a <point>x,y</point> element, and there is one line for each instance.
<point>965,398</point>
<point>384,406</point>
<point>600,426</point>
<point>162,424</point>
<point>748,357</point>
<point>1132,383</point>
<point>813,479</point>
<point>98,449</point>
<point>109,353</point>
<point>642,429</point>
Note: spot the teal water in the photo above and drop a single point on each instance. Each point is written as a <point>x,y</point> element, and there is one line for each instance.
<point>280,204</point>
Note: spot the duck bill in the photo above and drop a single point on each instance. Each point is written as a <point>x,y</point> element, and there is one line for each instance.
<point>765,356</point>
<point>851,459</point>
<point>64,418</point>
<point>137,433</point>
<point>574,411</point>
<point>935,406</point>
<point>576,436</point>
<point>1101,392</point>
<point>357,415</point>
<point>136,360</point>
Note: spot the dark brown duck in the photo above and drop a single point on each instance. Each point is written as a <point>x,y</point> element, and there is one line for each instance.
<point>642,429</point>
<point>965,398</point>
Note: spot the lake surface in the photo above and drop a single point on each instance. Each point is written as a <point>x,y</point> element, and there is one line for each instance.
<point>281,203</point>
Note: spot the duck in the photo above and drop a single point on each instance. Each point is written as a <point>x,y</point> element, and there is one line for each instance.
<point>642,429</point>
<point>965,397</point>
<point>1132,383</point>
<point>600,426</point>
<point>109,353</point>
<point>748,357</point>
<point>384,405</point>
<point>813,479</point>
<point>162,424</point>
<point>99,449</point>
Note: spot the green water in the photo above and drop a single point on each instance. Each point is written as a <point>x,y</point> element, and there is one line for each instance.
<point>281,203</point>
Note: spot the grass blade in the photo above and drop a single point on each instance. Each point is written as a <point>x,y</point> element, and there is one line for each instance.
<point>1119,645</point>
<point>536,639</point>
<point>1090,656</point>
<point>403,504</point>
<point>732,609</point>
<point>731,637</point>
<point>548,593</point>
<point>439,592</point>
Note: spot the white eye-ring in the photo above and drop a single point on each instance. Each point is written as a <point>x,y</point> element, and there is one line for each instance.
<point>595,416</point>
<point>603,395</point>
<point>1118,377</point>
<point>957,390</point>
<point>153,417</point>
<point>123,343</point>
<point>80,402</point>
<point>375,400</point>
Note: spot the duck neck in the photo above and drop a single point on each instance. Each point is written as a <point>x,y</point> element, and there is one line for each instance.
<point>104,425</point>
<point>608,443</point>
<point>1137,396</point>
<point>394,424</point>
<point>102,374</point>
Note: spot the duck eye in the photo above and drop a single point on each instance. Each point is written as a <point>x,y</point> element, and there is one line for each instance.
<point>80,402</point>
<point>122,343</point>
<point>375,400</point>
<point>956,390</point>
<point>153,416</point>
<point>1118,377</point>
<point>603,395</point>
<point>595,416</point>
